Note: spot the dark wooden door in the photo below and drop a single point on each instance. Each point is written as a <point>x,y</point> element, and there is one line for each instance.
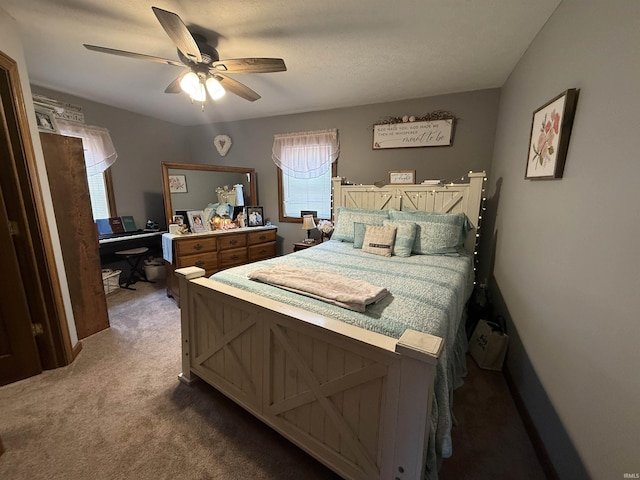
<point>19,357</point>
<point>66,171</point>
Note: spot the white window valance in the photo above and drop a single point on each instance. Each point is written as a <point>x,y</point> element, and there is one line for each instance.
<point>306,154</point>
<point>96,141</point>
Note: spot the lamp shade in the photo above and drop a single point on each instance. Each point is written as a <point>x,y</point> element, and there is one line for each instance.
<point>214,88</point>
<point>308,223</point>
<point>190,83</point>
<point>199,94</point>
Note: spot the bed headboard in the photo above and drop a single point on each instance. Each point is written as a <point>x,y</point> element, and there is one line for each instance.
<point>449,198</point>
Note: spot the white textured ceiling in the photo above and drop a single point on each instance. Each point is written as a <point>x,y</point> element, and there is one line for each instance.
<point>338,52</point>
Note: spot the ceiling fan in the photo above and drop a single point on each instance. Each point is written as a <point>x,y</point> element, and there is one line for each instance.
<point>203,70</point>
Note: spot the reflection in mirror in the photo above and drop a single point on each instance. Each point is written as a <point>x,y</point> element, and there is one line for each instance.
<point>188,186</point>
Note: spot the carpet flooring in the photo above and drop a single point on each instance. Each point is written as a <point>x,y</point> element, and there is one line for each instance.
<point>119,412</point>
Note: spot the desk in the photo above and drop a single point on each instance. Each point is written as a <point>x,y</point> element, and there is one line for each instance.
<point>108,246</point>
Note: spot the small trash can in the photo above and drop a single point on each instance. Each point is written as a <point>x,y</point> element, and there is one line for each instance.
<point>154,269</point>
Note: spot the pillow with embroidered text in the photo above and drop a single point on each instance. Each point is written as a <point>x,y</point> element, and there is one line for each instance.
<point>379,240</point>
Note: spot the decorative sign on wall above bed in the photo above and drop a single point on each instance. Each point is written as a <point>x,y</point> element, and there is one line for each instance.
<point>432,130</point>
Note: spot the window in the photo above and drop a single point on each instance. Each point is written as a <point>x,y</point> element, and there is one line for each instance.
<point>297,194</point>
<point>101,192</point>
<point>99,155</point>
<point>306,162</point>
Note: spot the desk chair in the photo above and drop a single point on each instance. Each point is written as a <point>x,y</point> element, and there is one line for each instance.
<point>134,258</point>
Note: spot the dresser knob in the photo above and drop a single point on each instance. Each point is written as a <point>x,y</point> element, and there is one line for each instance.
<point>233,242</point>
<point>234,257</point>
<point>263,237</point>
<point>197,246</point>
<point>200,263</point>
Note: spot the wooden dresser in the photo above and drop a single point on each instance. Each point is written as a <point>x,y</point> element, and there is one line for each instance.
<point>215,251</point>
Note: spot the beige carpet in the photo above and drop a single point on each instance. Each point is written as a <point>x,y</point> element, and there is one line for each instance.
<point>119,412</point>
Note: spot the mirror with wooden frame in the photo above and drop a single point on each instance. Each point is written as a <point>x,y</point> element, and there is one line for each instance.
<point>191,186</point>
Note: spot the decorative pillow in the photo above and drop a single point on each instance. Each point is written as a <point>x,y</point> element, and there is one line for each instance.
<point>359,230</point>
<point>343,230</point>
<point>379,240</point>
<point>438,233</point>
<point>405,237</point>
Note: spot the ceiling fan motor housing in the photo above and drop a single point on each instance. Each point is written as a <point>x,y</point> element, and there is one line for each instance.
<point>208,53</point>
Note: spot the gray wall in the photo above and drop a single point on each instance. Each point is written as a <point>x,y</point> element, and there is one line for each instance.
<point>142,144</point>
<point>253,139</point>
<point>566,256</point>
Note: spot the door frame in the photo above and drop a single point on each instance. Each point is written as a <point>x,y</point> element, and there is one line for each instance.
<point>37,262</point>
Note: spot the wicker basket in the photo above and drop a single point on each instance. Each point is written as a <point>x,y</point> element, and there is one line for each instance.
<point>110,280</point>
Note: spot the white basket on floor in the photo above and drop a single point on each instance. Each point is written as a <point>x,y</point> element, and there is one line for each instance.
<point>110,280</point>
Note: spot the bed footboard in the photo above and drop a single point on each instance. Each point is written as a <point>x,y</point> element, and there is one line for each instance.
<point>357,401</point>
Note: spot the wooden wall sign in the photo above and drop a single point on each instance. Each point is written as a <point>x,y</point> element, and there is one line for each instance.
<point>429,133</point>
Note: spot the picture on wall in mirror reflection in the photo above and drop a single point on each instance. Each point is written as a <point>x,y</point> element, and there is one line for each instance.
<point>177,184</point>
<point>255,216</point>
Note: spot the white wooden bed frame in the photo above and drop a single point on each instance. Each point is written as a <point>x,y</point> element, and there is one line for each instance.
<point>357,401</point>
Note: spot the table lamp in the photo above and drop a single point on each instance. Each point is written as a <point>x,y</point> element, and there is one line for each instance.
<point>308,224</point>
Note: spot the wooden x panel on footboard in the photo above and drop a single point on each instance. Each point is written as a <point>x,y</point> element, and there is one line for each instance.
<point>357,401</point>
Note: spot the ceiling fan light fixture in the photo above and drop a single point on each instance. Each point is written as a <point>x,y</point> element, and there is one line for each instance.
<point>215,89</point>
<point>189,83</point>
<point>199,94</point>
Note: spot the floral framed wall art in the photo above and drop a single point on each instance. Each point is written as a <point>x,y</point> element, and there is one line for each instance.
<point>177,184</point>
<point>550,132</point>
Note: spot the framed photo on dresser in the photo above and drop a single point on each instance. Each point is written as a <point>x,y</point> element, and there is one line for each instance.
<point>255,216</point>
<point>196,221</point>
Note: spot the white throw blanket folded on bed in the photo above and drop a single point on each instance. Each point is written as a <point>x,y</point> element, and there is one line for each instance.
<point>326,286</point>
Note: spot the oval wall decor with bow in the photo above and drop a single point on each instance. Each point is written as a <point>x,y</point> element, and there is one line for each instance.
<point>222,144</point>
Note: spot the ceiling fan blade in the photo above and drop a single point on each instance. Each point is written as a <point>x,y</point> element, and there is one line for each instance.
<point>250,65</point>
<point>236,87</point>
<point>174,87</point>
<point>138,56</point>
<point>178,32</point>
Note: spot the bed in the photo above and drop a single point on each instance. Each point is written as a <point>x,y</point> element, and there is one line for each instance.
<point>366,393</point>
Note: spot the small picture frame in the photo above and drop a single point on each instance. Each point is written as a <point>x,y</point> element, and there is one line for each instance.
<point>196,221</point>
<point>46,120</point>
<point>254,216</point>
<point>549,139</point>
<point>313,213</point>
<point>402,177</point>
<point>177,184</point>
<point>177,220</point>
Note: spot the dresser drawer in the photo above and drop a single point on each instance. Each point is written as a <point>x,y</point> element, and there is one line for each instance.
<point>233,241</point>
<point>195,245</point>
<point>208,261</point>
<point>233,257</point>
<point>262,236</point>
<point>260,252</point>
